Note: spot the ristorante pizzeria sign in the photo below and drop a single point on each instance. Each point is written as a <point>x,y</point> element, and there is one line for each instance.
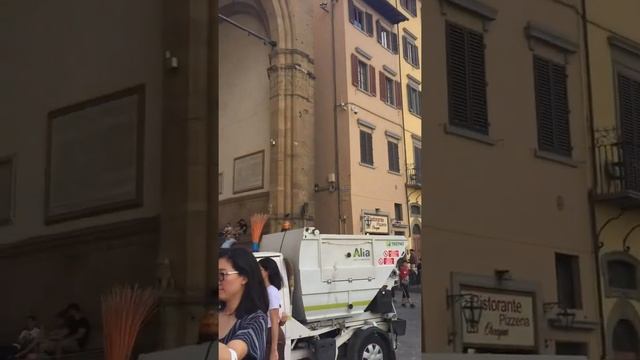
<point>507,320</point>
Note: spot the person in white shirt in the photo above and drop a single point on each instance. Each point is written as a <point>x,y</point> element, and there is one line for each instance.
<point>273,281</point>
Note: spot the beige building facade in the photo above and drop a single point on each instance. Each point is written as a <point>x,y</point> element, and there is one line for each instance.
<point>506,226</point>
<point>360,168</point>
<point>614,59</point>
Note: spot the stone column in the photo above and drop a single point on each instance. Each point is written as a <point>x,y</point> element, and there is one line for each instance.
<point>291,87</point>
<point>185,206</point>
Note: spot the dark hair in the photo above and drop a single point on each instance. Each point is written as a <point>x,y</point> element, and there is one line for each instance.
<point>32,318</point>
<point>254,296</point>
<point>271,267</point>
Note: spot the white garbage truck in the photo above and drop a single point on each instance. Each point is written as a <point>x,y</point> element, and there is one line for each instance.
<point>337,293</point>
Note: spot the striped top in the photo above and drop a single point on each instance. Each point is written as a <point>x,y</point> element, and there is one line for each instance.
<point>252,330</point>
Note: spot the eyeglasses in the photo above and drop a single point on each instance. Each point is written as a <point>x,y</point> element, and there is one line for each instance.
<point>223,275</point>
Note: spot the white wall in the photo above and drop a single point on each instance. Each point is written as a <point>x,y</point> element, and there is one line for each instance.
<point>244,109</point>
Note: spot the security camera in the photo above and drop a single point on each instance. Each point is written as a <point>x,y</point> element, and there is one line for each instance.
<point>354,109</point>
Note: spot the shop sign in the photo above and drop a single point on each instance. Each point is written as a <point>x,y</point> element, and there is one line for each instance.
<point>507,319</point>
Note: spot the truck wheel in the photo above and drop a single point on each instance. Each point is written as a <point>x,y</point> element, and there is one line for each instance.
<point>373,347</point>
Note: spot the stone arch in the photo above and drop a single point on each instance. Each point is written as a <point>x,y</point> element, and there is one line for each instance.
<point>622,310</point>
<point>290,73</point>
<point>246,8</point>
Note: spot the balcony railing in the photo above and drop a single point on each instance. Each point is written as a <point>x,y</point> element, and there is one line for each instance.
<point>617,169</point>
<point>414,176</point>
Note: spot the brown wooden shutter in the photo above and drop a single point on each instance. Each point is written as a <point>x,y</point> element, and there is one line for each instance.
<point>457,75</point>
<point>466,81</point>
<point>369,24</point>
<point>416,55</point>
<point>383,87</point>
<point>561,109</point>
<point>552,112</point>
<point>477,82</point>
<point>628,99</point>
<point>354,70</point>
<point>372,80</point>
<point>378,29</point>
<point>398,95</point>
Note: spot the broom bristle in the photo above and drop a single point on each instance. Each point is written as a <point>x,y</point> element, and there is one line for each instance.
<point>124,310</point>
<point>257,224</point>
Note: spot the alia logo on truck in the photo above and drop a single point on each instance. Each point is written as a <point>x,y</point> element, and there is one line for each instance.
<point>361,253</point>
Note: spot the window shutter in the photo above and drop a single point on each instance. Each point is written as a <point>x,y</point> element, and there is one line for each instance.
<point>629,113</point>
<point>372,80</point>
<point>383,86</point>
<point>477,82</point>
<point>560,110</point>
<point>394,42</point>
<point>457,75</point>
<point>466,79</point>
<point>398,95</point>
<point>369,24</point>
<point>390,155</point>
<point>369,138</point>
<point>363,146</point>
<point>351,12</point>
<point>405,49</point>
<point>544,109</point>
<point>552,111</point>
<point>416,55</point>
<point>378,29</point>
<point>354,70</point>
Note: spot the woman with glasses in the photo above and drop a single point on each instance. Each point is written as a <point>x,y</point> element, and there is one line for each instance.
<point>243,306</point>
<point>273,280</point>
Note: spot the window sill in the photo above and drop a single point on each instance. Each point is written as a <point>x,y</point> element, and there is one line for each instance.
<point>469,134</point>
<point>367,165</point>
<point>417,67</point>
<point>555,158</point>
<point>360,30</point>
<point>389,50</point>
<point>416,115</point>
<point>364,91</point>
<point>391,106</point>
<point>394,173</point>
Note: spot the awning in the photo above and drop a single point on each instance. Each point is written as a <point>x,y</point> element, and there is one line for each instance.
<point>388,11</point>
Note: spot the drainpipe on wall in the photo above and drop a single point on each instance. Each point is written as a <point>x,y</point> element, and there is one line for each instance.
<point>592,209</point>
<point>404,137</point>
<point>335,115</point>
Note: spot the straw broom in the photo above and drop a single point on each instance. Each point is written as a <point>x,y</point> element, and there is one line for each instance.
<point>124,310</point>
<point>257,224</point>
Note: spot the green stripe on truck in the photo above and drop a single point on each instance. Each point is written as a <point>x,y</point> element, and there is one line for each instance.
<point>335,306</point>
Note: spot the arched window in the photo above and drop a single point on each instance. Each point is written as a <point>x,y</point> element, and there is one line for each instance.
<point>622,274</point>
<point>416,230</point>
<point>415,210</point>
<point>625,340</point>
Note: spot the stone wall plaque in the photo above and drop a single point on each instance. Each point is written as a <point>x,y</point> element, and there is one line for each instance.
<point>248,172</point>
<point>95,156</point>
